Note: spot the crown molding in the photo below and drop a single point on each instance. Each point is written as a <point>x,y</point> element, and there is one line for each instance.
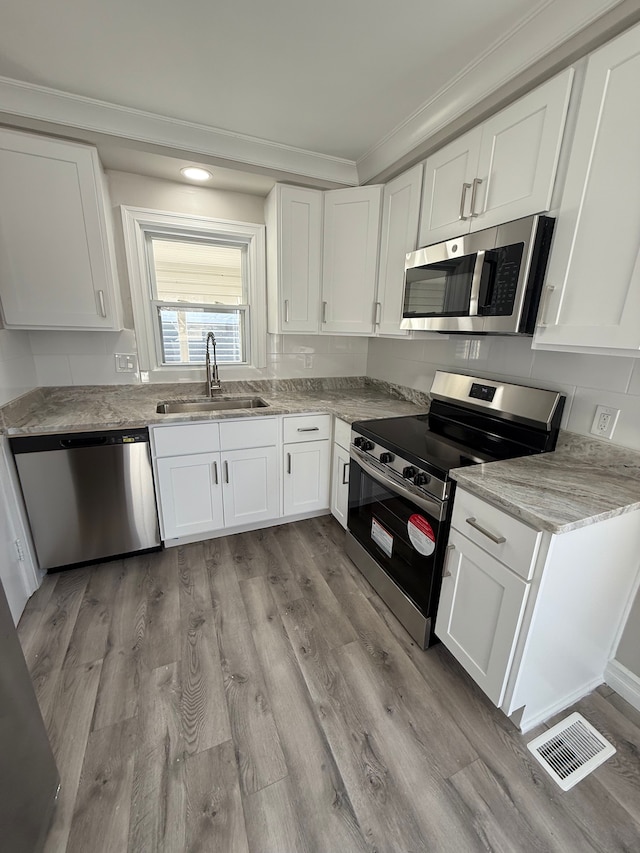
<point>544,30</point>
<point>40,103</point>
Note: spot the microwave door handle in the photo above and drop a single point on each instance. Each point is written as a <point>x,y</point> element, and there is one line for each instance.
<point>475,284</point>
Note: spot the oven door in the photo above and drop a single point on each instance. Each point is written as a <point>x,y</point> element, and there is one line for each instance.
<point>404,533</point>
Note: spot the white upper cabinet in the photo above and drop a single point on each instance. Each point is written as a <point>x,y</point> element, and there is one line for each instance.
<point>448,181</point>
<point>593,298</point>
<point>502,170</point>
<point>294,256</point>
<point>399,235</point>
<point>350,260</point>
<point>56,255</point>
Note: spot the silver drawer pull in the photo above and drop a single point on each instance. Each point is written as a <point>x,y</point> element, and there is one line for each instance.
<point>324,312</point>
<point>103,309</point>
<point>499,540</point>
<point>308,429</point>
<point>445,569</point>
<point>474,191</point>
<point>463,198</point>
<point>288,463</point>
<point>215,473</point>
<point>345,473</point>
<point>546,299</point>
<point>226,472</point>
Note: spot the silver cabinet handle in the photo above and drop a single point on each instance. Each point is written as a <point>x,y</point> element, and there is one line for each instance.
<point>101,303</point>
<point>286,310</point>
<point>215,473</point>
<point>308,429</point>
<point>345,476</point>
<point>545,305</point>
<point>324,312</point>
<point>377,311</point>
<point>474,192</point>
<point>463,198</point>
<point>288,463</point>
<point>445,568</point>
<point>499,540</point>
<point>226,472</point>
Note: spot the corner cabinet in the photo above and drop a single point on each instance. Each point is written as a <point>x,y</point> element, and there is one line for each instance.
<point>399,235</point>
<point>293,217</point>
<point>531,616</point>
<point>350,260</point>
<point>57,268</point>
<point>593,281</point>
<point>502,170</point>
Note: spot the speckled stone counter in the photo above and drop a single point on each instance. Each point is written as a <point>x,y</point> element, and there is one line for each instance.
<point>78,409</point>
<point>583,482</point>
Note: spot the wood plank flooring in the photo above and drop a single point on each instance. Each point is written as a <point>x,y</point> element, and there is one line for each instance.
<point>253,695</point>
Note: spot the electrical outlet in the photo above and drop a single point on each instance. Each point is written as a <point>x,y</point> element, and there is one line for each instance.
<point>605,421</point>
<point>126,362</point>
<point>308,361</point>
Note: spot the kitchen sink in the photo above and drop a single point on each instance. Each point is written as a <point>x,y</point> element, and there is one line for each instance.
<point>208,404</point>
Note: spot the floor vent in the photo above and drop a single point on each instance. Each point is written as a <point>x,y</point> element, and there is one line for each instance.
<point>571,750</point>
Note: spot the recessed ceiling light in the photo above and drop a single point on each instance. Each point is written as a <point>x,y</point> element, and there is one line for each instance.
<point>193,173</point>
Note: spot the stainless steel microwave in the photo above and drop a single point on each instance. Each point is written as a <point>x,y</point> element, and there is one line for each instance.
<point>488,282</point>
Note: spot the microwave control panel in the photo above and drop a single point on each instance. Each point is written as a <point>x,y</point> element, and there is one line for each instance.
<point>500,280</point>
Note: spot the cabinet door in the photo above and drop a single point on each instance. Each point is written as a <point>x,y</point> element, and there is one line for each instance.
<point>446,195</point>
<point>294,257</point>
<point>519,155</point>
<point>399,235</point>
<point>190,494</point>
<point>250,485</point>
<point>306,477</point>
<point>350,260</point>
<point>340,484</point>
<point>479,615</point>
<point>594,268</point>
<point>55,262</point>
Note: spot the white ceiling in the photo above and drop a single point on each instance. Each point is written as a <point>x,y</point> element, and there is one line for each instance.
<point>334,77</point>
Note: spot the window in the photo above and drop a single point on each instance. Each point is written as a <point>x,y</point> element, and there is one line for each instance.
<point>190,276</point>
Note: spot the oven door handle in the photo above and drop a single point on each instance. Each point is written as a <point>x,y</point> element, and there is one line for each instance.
<point>434,507</point>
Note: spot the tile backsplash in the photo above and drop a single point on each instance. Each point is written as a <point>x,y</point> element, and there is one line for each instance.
<point>587,380</point>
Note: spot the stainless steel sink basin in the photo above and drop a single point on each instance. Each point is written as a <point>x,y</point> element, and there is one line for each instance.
<point>208,404</point>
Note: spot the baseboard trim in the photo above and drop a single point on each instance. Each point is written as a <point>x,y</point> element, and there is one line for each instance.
<point>527,723</point>
<point>624,682</point>
<point>243,528</point>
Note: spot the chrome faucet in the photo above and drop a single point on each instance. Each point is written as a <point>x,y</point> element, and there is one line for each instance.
<point>213,380</point>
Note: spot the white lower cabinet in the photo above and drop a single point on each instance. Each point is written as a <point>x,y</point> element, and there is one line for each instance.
<point>190,493</point>
<point>532,616</point>
<point>482,638</point>
<point>227,484</point>
<point>250,485</point>
<point>340,471</point>
<point>306,463</point>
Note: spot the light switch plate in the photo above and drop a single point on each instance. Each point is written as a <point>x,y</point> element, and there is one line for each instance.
<point>126,362</point>
<point>605,421</point>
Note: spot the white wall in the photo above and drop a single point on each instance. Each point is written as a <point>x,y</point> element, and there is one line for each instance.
<point>587,380</point>
<point>17,368</point>
<point>87,358</point>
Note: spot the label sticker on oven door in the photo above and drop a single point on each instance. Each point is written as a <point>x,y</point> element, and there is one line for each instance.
<point>381,537</point>
<point>421,535</point>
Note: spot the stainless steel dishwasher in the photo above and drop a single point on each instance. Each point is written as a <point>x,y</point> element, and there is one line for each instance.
<point>89,496</point>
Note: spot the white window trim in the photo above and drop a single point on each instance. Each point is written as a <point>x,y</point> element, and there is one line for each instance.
<point>136,222</point>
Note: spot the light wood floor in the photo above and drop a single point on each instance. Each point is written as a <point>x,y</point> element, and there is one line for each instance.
<point>253,694</point>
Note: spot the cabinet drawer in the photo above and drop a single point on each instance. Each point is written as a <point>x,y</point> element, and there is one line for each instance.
<point>342,433</point>
<point>250,432</point>
<point>182,439</point>
<point>307,428</point>
<point>520,547</point>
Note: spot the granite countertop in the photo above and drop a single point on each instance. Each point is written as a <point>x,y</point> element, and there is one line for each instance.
<point>583,482</point>
<point>79,409</point>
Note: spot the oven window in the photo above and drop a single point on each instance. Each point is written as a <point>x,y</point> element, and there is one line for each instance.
<point>378,519</point>
<point>439,290</point>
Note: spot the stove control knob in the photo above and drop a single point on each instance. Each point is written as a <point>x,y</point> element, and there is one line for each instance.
<point>386,458</point>
<point>359,441</point>
<point>421,479</point>
<point>367,445</point>
<point>409,473</point>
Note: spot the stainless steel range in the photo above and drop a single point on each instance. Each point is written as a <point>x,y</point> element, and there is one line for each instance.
<point>400,491</point>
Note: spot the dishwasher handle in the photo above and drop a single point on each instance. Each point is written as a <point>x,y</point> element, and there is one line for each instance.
<point>91,441</point>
